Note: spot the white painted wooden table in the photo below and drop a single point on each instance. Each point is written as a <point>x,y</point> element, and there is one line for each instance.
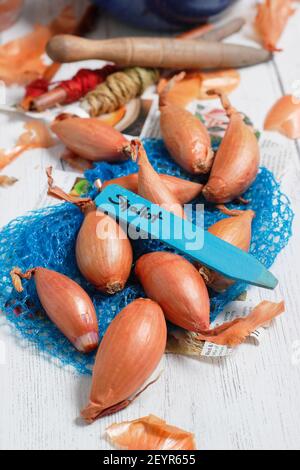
<point>247,401</point>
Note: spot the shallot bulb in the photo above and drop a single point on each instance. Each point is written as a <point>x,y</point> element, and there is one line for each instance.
<point>237,160</point>
<point>151,186</point>
<point>183,190</point>
<point>103,250</point>
<point>91,138</point>
<point>184,135</point>
<point>66,304</point>
<point>177,286</point>
<point>130,351</point>
<point>235,230</point>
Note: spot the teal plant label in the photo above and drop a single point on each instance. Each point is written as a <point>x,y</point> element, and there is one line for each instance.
<point>143,219</point>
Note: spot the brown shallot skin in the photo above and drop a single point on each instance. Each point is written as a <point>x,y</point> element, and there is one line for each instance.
<point>130,351</point>
<point>103,252</point>
<point>237,160</point>
<point>151,186</point>
<point>68,306</point>
<point>236,331</point>
<point>235,230</point>
<point>185,137</point>
<point>176,285</point>
<point>150,433</point>
<point>183,190</point>
<point>92,139</point>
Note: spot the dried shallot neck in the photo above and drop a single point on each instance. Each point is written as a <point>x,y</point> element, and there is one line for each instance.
<point>119,406</point>
<point>236,331</point>
<point>85,204</point>
<point>17,275</point>
<point>137,151</point>
<point>127,150</point>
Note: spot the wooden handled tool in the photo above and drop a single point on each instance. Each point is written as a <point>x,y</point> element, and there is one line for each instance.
<point>155,52</point>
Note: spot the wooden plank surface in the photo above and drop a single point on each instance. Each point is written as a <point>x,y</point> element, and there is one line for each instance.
<point>247,401</point>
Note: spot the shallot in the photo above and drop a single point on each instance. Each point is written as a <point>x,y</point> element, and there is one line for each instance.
<point>151,186</point>
<point>284,117</point>
<point>237,160</point>
<point>66,304</point>
<point>177,286</point>
<point>235,230</point>
<point>184,135</point>
<point>184,190</point>
<point>91,138</point>
<point>103,251</point>
<point>130,351</point>
<point>150,433</point>
<point>271,19</point>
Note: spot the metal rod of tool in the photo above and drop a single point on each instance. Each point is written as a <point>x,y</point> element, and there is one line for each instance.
<point>155,52</point>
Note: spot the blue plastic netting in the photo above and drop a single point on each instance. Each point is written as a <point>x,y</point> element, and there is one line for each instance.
<point>47,238</point>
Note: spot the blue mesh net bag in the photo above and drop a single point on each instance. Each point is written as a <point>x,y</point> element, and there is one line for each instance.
<point>47,238</point>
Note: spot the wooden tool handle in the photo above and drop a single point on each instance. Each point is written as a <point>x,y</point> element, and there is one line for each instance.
<point>155,52</point>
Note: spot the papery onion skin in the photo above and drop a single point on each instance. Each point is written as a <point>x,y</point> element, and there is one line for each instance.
<point>103,252</point>
<point>235,332</point>
<point>196,85</point>
<point>36,135</point>
<point>21,60</point>
<point>226,80</point>
<point>177,286</point>
<point>236,231</point>
<point>184,91</point>
<point>67,305</point>
<point>236,163</point>
<point>150,433</point>
<point>284,117</point>
<point>184,190</point>
<point>92,139</point>
<point>271,19</point>
<point>130,351</point>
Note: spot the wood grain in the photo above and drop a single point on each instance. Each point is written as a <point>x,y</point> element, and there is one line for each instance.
<point>247,401</point>
<point>169,53</point>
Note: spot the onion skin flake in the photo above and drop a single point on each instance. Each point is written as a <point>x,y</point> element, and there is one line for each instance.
<point>149,433</point>
<point>284,117</point>
<point>235,332</point>
<point>271,19</point>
